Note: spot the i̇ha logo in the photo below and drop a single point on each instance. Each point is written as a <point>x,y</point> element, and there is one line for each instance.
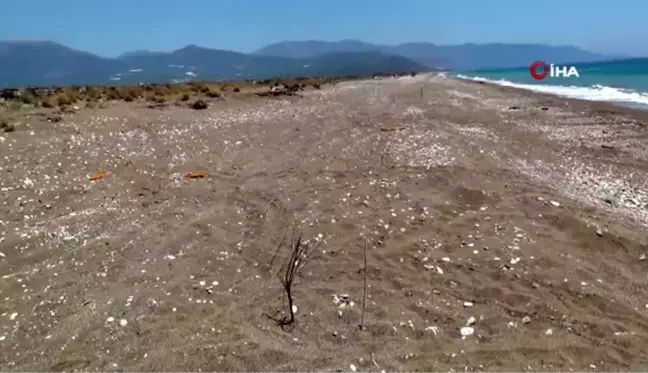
<point>540,70</point>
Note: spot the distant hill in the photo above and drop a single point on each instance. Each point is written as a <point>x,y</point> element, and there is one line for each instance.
<point>442,56</point>
<point>44,63</point>
<point>312,48</point>
<point>47,64</point>
<point>35,63</point>
<point>139,53</point>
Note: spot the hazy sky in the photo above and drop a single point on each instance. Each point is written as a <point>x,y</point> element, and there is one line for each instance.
<point>114,26</point>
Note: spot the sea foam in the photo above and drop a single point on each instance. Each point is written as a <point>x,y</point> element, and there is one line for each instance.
<point>602,93</point>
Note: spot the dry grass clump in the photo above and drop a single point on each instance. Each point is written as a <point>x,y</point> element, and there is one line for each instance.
<point>5,126</point>
<point>47,103</point>
<point>199,87</point>
<point>64,100</point>
<point>212,94</point>
<point>154,95</point>
<point>113,94</point>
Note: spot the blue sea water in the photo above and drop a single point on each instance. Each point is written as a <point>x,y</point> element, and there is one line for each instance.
<point>623,82</point>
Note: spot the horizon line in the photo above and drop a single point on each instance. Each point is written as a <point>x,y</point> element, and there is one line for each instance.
<point>315,41</point>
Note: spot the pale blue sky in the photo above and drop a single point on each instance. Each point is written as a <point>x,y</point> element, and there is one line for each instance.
<point>114,26</point>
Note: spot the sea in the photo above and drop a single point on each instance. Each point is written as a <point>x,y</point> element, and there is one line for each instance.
<point>622,82</point>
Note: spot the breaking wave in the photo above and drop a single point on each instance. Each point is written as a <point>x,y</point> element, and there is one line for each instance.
<point>626,97</point>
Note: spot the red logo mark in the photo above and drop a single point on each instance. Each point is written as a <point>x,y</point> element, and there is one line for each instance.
<point>542,66</point>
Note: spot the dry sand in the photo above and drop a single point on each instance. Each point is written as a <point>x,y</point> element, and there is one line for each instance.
<point>522,215</point>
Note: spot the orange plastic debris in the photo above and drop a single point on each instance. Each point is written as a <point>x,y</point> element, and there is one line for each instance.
<point>195,175</point>
<point>97,175</point>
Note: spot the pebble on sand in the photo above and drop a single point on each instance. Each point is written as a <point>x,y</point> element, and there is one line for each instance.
<point>123,322</point>
<point>467,331</point>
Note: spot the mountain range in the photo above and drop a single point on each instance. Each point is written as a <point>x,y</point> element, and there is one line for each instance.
<point>463,56</point>
<point>45,63</point>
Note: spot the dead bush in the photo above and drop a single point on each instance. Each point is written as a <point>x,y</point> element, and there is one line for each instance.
<point>92,94</point>
<point>301,253</point>
<point>27,98</point>
<point>6,126</point>
<point>47,103</point>
<point>113,94</point>
<point>199,87</point>
<point>212,94</point>
<point>199,105</point>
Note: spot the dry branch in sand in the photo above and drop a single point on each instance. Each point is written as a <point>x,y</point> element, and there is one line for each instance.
<point>301,252</point>
<point>364,294</point>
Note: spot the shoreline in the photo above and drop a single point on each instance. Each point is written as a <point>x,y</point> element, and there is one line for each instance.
<point>601,107</point>
<point>625,104</point>
<point>602,141</point>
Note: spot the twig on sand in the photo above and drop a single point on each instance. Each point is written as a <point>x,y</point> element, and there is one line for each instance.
<point>274,256</point>
<point>300,255</point>
<point>364,296</point>
<point>373,360</point>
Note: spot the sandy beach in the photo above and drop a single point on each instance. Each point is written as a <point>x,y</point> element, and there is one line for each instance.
<point>504,231</point>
